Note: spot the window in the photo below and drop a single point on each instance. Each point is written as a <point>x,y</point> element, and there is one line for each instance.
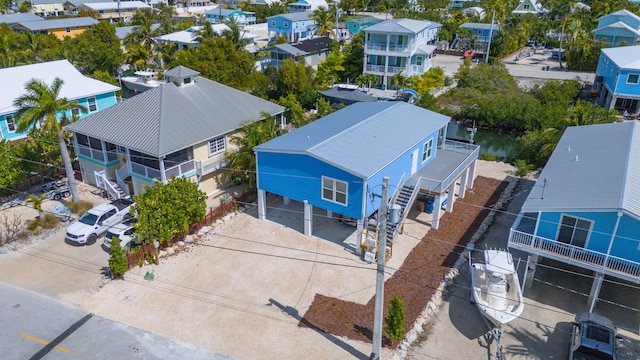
<point>632,78</point>
<point>273,23</point>
<point>527,6</point>
<point>286,24</point>
<point>574,231</point>
<point>93,106</point>
<point>217,145</point>
<point>479,31</point>
<point>427,149</point>
<point>67,30</point>
<point>334,190</point>
<point>419,60</point>
<point>75,112</point>
<point>11,126</point>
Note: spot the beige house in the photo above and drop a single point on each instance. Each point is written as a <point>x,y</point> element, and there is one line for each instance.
<point>181,128</point>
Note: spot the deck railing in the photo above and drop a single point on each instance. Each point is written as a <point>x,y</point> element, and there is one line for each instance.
<point>180,169</point>
<point>593,260</point>
<point>208,166</point>
<point>143,170</point>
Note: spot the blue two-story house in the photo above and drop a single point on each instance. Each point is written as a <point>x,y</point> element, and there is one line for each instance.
<point>618,28</point>
<point>93,94</point>
<point>482,32</point>
<point>336,164</point>
<point>618,78</point>
<point>307,5</point>
<point>224,15</point>
<point>399,46</point>
<point>584,209</point>
<point>293,26</point>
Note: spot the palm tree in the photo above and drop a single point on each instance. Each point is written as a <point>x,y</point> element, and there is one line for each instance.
<point>324,19</point>
<point>36,201</point>
<point>385,7</point>
<point>206,32</point>
<point>39,106</point>
<point>234,34</point>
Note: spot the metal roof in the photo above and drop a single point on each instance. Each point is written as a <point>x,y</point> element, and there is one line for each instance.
<point>362,138</point>
<point>296,16</point>
<point>480,26</point>
<point>18,17</point>
<point>123,31</point>
<point>405,26</point>
<point>38,25</point>
<point>169,118</point>
<point>75,85</point>
<point>621,13</point>
<point>180,72</point>
<point>342,93</point>
<point>625,57</point>
<point>593,168</point>
<point>112,5</point>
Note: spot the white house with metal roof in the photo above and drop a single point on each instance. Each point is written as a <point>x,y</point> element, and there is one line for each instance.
<point>584,209</point>
<point>618,28</point>
<point>114,10</point>
<point>336,164</point>
<point>617,78</point>
<point>180,128</point>
<point>93,94</point>
<point>190,37</point>
<point>399,46</point>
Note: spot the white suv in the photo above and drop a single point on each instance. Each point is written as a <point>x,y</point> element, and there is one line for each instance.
<point>123,232</point>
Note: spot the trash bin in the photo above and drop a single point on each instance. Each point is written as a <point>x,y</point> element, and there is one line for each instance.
<point>428,204</point>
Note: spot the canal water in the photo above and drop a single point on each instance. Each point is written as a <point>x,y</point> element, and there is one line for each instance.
<point>491,142</point>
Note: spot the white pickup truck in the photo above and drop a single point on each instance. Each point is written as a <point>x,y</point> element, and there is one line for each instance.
<point>97,221</point>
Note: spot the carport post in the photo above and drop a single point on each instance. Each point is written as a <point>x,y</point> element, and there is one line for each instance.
<point>463,183</point>
<point>308,218</point>
<point>595,290</point>
<point>262,204</point>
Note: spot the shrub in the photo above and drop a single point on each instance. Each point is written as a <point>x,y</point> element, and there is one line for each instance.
<point>448,81</point>
<point>117,259</point>
<point>394,322</point>
<point>50,221</point>
<point>149,257</point>
<point>523,167</point>
<point>80,206</point>
<point>10,228</point>
<point>489,157</point>
<point>34,226</point>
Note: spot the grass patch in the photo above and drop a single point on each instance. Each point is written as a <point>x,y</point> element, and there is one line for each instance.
<point>80,206</point>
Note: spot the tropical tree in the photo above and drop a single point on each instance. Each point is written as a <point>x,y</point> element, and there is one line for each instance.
<point>36,201</point>
<point>234,34</point>
<point>98,48</point>
<point>330,69</point>
<point>40,106</point>
<point>325,19</point>
<point>206,32</point>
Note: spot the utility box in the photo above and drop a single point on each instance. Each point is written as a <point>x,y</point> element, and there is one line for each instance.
<point>394,213</point>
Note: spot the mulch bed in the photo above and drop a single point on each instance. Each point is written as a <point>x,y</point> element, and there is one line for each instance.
<point>418,277</point>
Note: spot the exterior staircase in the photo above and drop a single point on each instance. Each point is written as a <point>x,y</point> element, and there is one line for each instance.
<point>113,190</point>
<point>405,199</point>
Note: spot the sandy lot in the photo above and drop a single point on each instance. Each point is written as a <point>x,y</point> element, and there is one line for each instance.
<point>241,291</point>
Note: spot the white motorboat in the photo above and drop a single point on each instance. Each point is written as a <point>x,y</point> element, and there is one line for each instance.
<point>141,81</point>
<point>496,288</point>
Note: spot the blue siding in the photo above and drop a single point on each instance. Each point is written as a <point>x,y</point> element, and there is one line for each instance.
<point>624,88</point>
<point>301,29</point>
<point>608,70</point>
<point>301,180</point>
<point>625,244</point>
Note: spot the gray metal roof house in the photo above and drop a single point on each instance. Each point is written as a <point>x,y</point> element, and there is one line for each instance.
<point>336,164</point>
<point>180,128</point>
<point>584,209</point>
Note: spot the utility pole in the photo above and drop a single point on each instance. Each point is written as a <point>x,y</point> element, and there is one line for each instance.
<point>486,56</point>
<point>382,252</point>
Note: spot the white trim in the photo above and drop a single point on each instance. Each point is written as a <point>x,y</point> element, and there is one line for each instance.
<point>588,237</point>
<point>216,140</point>
<point>10,118</point>
<point>637,79</point>
<point>429,143</point>
<point>334,190</point>
<point>95,101</point>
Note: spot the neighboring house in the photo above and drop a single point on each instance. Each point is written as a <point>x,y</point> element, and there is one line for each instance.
<point>346,94</point>
<point>618,78</point>
<point>294,27</point>
<point>529,7</point>
<point>11,19</point>
<point>312,51</point>
<point>461,4</point>
<point>618,28</point>
<point>189,38</point>
<point>92,94</point>
<point>307,5</point>
<point>225,15</point>
<point>356,25</point>
<point>59,28</point>
<point>399,45</point>
<point>474,11</point>
<point>47,8</point>
<point>113,10</point>
<point>181,128</point>
<point>123,31</point>
<point>266,2</point>
<point>72,6</point>
<point>336,164</point>
<point>584,209</point>
<point>481,32</point>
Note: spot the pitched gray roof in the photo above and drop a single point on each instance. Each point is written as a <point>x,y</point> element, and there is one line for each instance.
<point>362,138</point>
<point>180,72</point>
<point>296,16</point>
<point>168,118</point>
<point>18,17</point>
<point>404,26</point>
<point>623,12</point>
<point>625,57</point>
<point>123,31</point>
<point>479,26</point>
<point>594,167</point>
<point>58,23</point>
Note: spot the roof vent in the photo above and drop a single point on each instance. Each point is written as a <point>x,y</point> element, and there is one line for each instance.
<point>576,157</point>
<point>308,138</point>
<point>569,149</point>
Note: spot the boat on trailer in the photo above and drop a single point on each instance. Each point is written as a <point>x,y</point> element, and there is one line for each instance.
<point>496,288</point>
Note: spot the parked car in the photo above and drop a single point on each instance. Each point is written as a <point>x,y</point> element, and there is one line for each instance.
<point>98,220</point>
<point>125,233</point>
<point>593,337</point>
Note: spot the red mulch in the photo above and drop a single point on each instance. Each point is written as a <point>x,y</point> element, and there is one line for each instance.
<point>418,277</point>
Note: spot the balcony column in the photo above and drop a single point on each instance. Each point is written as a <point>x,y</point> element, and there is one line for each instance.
<point>451,197</point>
<point>359,230</point>
<point>262,204</point>
<point>435,220</point>
<point>463,184</point>
<point>286,200</point>
<point>472,174</point>
<point>163,176</point>
<point>308,218</point>
<point>532,262</point>
<point>595,290</point>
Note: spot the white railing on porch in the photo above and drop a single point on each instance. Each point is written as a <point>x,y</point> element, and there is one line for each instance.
<point>208,166</point>
<point>103,183</point>
<point>439,186</point>
<point>121,174</point>
<point>593,260</point>
<point>95,154</point>
<point>180,169</point>
<point>143,170</point>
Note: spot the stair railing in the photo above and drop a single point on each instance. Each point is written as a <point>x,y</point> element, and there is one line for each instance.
<point>404,213</point>
<point>121,174</point>
<point>103,183</point>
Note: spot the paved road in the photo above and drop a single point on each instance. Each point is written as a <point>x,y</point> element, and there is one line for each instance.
<point>38,327</point>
